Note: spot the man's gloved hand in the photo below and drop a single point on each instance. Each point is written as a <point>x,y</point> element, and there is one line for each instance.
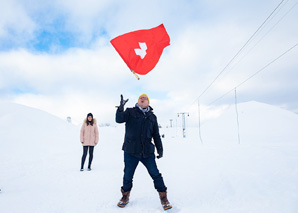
<point>122,103</point>
<point>160,154</point>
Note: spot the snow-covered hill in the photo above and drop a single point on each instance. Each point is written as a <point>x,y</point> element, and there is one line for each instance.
<point>40,159</point>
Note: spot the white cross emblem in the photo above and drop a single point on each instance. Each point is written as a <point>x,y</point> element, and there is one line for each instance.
<point>141,52</point>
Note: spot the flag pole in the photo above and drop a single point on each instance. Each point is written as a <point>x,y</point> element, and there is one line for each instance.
<point>135,74</point>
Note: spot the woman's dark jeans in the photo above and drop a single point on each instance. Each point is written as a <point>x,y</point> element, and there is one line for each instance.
<point>85,149</point>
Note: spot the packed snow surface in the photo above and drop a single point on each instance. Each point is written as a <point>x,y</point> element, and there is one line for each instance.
<point>40,158</point>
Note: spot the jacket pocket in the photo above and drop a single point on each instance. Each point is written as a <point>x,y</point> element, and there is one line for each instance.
<point>130,145</point>
<point>149,147</point>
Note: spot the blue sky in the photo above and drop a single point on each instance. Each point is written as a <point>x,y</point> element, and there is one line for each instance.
<point>57,56</point>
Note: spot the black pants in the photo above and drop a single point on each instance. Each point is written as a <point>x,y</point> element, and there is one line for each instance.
<point>131,162</point>
<point>85,150</point>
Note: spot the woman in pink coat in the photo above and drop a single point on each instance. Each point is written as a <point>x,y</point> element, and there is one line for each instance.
<point>89,139</point>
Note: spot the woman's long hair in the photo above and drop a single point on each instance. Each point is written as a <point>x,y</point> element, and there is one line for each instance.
<point>89,122</point>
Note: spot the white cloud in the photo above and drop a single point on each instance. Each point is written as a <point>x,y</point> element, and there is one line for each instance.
<point>15,22</point>
<point>78,80</point>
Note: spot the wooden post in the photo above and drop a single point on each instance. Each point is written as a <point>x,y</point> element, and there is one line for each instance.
<point>135,74</point>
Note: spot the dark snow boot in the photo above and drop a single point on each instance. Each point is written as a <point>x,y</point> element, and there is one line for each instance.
<point>164,200</point>
<point>124,200</point>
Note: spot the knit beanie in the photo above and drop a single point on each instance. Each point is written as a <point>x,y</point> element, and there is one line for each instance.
<point>146,96</point>
<point>90,114</point>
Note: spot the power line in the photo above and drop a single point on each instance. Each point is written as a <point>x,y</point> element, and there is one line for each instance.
<point>268,31</point>
<point>256,73</point>
<point>240,50</point>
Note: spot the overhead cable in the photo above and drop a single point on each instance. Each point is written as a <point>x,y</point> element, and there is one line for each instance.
<point>256,73</point>
<point>240,50</point>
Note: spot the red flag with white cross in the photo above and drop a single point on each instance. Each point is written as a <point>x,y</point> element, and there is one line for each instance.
<point>141,49</point>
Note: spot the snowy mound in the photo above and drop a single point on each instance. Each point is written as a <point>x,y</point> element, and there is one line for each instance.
<point>40,159</point>
<point>24,128</point>
<point>257,122</point>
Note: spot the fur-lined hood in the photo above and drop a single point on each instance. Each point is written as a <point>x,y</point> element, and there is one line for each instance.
<point>94,120</point>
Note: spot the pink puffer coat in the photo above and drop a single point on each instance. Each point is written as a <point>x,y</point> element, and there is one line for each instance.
<point>89,134</point>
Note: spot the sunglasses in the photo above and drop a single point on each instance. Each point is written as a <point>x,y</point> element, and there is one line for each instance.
<point>145,98</point>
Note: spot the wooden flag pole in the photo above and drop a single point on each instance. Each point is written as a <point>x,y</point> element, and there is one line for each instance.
<point>135,74</point>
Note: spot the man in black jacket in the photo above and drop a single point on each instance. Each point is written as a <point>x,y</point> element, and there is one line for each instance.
<point>140,128</point>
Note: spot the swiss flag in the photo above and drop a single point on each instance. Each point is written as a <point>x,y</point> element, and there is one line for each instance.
<point>142,49</point>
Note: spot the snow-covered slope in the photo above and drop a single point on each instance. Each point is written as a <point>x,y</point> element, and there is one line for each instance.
<point>258,123</point>
<point>40,159</point>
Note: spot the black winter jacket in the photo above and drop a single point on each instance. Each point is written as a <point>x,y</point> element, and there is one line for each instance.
<point>140,128</point>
